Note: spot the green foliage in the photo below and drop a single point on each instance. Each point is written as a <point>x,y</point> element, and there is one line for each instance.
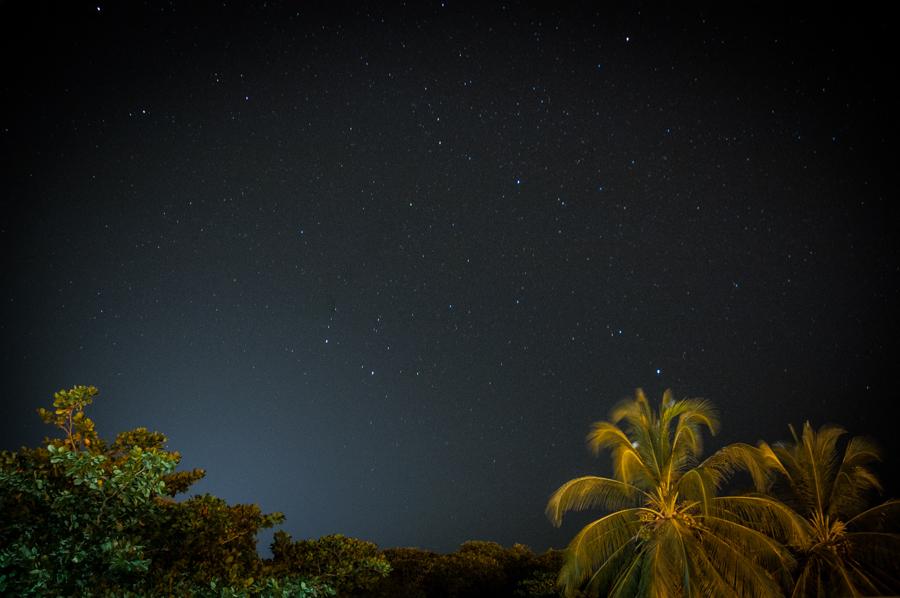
<point>410,571</point>
<point>466,574</point>
<point>73,514</point>
<point>203,539</point>
<point>80,517</point>
<point>270,587</point>
<point>348,565</point>
<point>68,415</point>
<point>539,580</point>
<point>83,517</point>
<point>481,568</point>
<point>477,569</point>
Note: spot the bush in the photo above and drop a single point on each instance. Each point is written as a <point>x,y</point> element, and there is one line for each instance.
<point>348,565</point>
<point>477,569</point>
<point>80,517</point>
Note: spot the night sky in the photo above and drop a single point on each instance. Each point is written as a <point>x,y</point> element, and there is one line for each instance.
<point>380,269</point>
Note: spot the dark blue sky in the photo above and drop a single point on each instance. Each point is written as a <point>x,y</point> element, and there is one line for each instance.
<point>380,269</point>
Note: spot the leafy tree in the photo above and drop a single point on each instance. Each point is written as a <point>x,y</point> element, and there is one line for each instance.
<point>410,568</point>
<point>477,569</point>
<point>82,517</point>
<point>72,513</point>
<point>539,581</point>
<point>847,548</point>
<point>349,565</point>
<point>204,539</point>
<point>494,570</point>
<point>667,532</point>
<point>465,573</point>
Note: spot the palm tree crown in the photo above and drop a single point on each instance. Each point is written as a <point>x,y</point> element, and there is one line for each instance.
<point>846,549</point>
<point>667,532</point>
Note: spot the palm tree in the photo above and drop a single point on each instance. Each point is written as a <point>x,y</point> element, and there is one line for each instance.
<point>846,548</point>
<point>667,533</point>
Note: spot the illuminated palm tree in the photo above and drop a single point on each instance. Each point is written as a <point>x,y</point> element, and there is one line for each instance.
<point>847,549</point>
<point>667,533</point>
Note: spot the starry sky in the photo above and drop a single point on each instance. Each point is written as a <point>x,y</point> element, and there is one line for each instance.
<point>380,268</point>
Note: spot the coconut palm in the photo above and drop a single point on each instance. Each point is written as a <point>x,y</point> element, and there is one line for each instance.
<point>847,549</point>
<point>666,532</point>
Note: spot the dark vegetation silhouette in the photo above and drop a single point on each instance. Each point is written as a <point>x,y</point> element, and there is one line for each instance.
<point>80,516</point>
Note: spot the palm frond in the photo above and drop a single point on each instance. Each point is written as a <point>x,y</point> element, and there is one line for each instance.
<point>596,543</point>
<point>854,481</point>
<point>820,456</point>
<point>878,518</point>
<point>627,584</point>
<point>697,485</point>
<point>646,442</point>
<point>628,464</point>
<point>861,451</point>
<point>796,475</point>
<point>661,570</point>
<point>607,573</point>
<point>851,491</point>
<point>771,460</point>
<point>864,582</point>
<point>807,576</point>
<point>687,444</point>
<point>728,460</point>
<point>667,413</point>
<point>606,435</point>
<point>707,581</point>
<point>759,547</point>
<point>841,579</point>
<point>766,515</point>
<point>811,464</point>
<point>697,412</point>
<point>746,559</point>
<point>877,551</point>
<point>687,437</point>
<point>879,557</point>
<point>687,564</point>
<point>589,492</point>
<point>635,412</point>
